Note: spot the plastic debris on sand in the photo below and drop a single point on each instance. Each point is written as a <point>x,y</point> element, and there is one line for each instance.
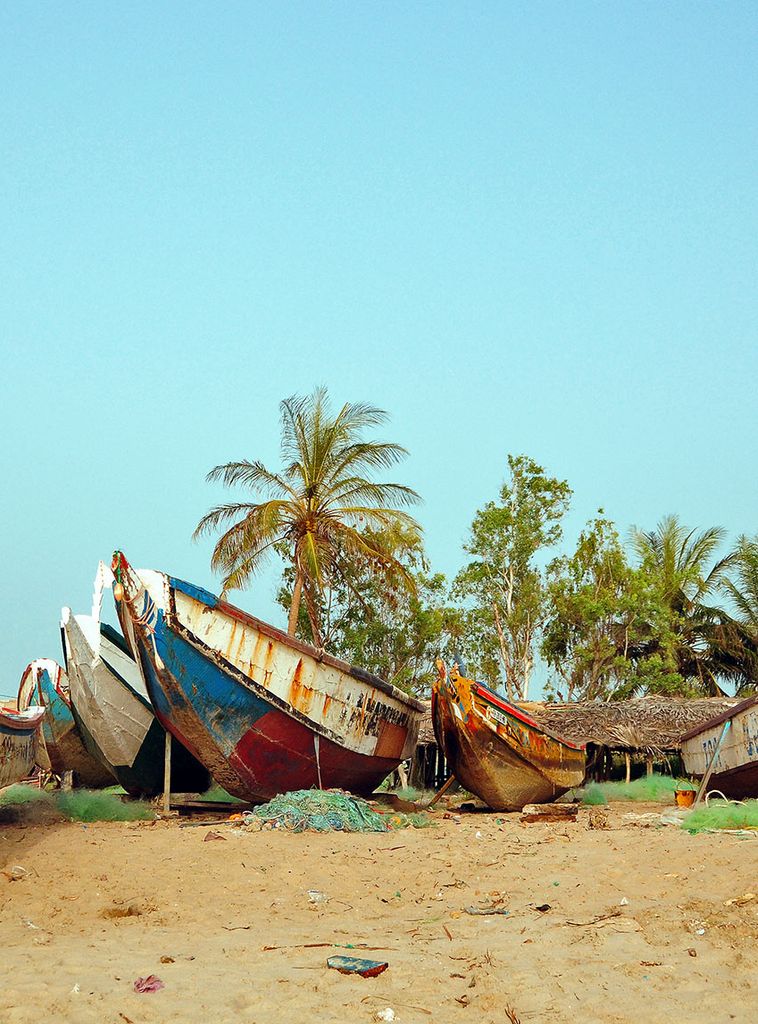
<point>152,983</point>
<point>352,965</point>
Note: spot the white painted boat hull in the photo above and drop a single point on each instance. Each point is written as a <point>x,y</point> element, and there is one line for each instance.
<point>735,771</point>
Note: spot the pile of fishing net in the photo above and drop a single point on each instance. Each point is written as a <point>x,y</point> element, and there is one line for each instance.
<point>319,810</point>
<point>87,805</point>
<point>648,788</point>
<point>729,815</point>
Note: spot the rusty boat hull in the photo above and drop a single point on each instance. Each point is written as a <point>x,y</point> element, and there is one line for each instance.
<point>263,712</point>
<point>735,770</point>
<point>18,743</point>
<point>496,751</point>
<point>45,683</point>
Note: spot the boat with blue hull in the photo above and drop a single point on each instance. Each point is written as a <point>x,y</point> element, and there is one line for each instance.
<point>44,683</point>
<point>18,742</point>
<point>264,712</point>
<point>113,711</point>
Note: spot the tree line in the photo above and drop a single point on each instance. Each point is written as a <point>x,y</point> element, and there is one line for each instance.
<point>661,611</point>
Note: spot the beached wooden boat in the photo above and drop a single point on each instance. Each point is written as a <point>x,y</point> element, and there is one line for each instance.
<point>18,732</point>
<point>495,750</point>
<point>265,713</point>
<point>735,770</point>
<point>112,710</point>
<point>45,683</point>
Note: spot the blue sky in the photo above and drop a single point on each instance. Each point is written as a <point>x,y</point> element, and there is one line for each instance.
<point>518,228</point>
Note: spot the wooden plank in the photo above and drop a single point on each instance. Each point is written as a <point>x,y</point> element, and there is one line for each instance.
<point>167,774</point>
<point>549,812</point>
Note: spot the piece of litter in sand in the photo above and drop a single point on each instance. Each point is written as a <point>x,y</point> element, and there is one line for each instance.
<point>386,1014</point>
<point>478,835</point>
<point>15,873</point>
<point>352,965</point>
<point>209,836</point>
<point>408,1006</point>
<point>151,983</point>
<point>599,920</point>
<point>316,896</point>
<point>167,960</point>
<point>75,990</point>
<point>543,908</point>
<point>486,911</point>
<point>624,902</point>
<point>740,901</point>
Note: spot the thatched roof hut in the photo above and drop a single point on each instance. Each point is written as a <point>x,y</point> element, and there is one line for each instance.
<point>643,724</point>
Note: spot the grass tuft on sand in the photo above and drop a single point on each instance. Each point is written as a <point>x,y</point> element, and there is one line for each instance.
<point>86,805</point>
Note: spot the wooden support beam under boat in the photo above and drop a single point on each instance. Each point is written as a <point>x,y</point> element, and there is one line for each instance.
<point>167,774</point>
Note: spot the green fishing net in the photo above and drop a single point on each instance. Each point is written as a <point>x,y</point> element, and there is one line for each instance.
<point>648,788</point>
<point>79,804</point>
<point>721,815</point>
<point>94,805</point>
<point>321,810</point>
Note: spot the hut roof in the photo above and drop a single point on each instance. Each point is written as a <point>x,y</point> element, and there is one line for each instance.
<point>643,723</point>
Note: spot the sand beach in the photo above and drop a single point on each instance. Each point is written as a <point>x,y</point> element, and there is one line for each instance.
<point>610,919</point>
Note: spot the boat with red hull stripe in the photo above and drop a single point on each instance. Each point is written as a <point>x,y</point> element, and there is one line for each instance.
<point>264,713</point>
<point>496,750</point>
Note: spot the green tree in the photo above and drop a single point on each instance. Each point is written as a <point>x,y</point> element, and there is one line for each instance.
<point>315,509</point>
<point>741,587</point>
<point>689,635</point>
<point>396,633</point>
<point>592,620</point>
<point>504,585</point>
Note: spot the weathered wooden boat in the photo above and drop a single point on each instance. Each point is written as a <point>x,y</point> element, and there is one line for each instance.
<point>495,750</point>
<point>733,735</point>
<point>45,683</point>
<point>18,732</point>
<point>265,713</point>
<point>112,710</point>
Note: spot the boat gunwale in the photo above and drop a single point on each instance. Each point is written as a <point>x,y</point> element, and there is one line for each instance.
<point>719,719</point>
<point>37,683</point>
<point>16,721</point>
<point>261,691</point>
<point>487,694</point>
<point>361,675</point>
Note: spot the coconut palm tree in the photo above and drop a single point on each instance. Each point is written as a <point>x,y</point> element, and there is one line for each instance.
<point>742,589</point>
<point>744,592</point>
<point>694,633</point>
<point>321,511</point>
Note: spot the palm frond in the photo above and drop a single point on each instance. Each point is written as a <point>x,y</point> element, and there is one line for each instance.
<point>219,515</point>
<point>355,489</point>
